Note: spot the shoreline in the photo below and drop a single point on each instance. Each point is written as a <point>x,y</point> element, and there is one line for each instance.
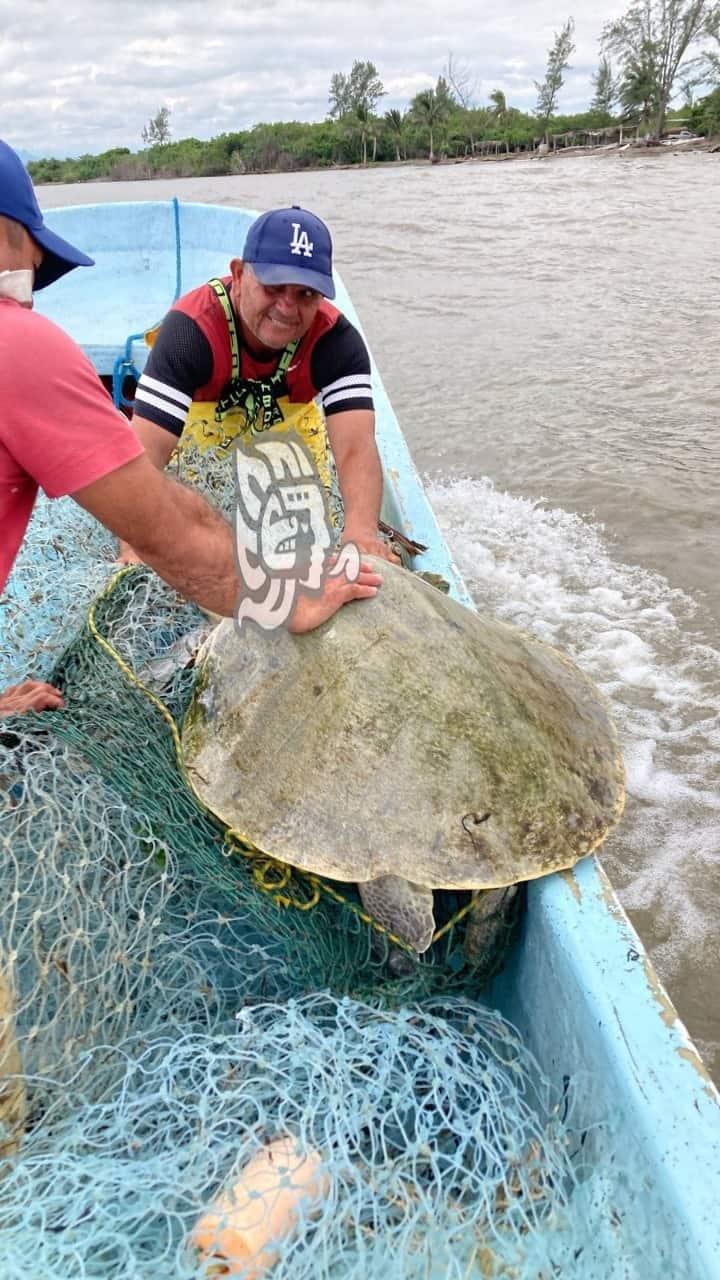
<point>683,145</point>
<point>626,149</point>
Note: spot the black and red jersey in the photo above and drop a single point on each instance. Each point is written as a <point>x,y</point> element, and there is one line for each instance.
<point>191,361</point>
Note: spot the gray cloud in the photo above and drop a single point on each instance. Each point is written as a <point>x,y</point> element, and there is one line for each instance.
<point>89,78</point>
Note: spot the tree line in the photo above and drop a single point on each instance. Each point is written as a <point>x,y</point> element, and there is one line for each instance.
<point>646,56</point>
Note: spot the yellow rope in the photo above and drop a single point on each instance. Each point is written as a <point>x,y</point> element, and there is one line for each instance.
<point>269,875</point>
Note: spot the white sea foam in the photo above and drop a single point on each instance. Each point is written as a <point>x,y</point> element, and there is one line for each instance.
<point>553,573</point>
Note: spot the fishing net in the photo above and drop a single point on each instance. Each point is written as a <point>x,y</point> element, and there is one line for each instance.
<point>179,1003</point>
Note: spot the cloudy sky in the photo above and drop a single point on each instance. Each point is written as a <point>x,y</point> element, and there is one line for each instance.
<point>85,76</point>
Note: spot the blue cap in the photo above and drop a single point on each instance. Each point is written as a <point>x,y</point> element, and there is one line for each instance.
<point>19,202</point>
<point>291,246</point>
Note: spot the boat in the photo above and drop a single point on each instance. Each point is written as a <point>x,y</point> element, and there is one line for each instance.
<point>578,985</point>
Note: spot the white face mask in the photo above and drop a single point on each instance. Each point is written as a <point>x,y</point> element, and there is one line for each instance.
<point>17,285</point>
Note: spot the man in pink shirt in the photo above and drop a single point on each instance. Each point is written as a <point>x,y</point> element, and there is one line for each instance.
<point>60,431</point>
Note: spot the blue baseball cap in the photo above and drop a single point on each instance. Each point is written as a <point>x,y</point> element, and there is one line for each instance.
<point>291,246</point>
<point>19,202</point>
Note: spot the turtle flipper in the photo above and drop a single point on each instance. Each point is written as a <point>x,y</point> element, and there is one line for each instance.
<point>491,926</point>
<point>405,908</point>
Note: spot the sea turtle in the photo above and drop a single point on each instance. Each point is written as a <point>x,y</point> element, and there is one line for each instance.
<point>407,745</point>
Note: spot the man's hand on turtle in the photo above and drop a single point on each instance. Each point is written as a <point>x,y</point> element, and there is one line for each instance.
<point>370,544</point>
<point>312,611</point>
<point>31,695</point>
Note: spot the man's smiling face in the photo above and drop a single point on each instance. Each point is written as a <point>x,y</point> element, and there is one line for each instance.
<point>271,316</point>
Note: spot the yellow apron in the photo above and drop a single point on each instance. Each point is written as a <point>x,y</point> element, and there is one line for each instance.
<point>204,432</point>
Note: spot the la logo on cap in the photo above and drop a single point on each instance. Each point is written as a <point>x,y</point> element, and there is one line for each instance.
<point>301,243</point>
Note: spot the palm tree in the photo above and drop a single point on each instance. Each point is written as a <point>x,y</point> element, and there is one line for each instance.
<point>429,110</point>
<point>497,97</point>
<point>500,112</point>
<point>362,120</point>
<point>395,124</point>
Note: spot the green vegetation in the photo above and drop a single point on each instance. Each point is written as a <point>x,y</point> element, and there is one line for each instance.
<point>650,43</point>
<point>606,91</point>
<point>157,130</point>
<point>432,108</point>
<point>652,40</point>
<point>704,116</point>
<point>558,62</point>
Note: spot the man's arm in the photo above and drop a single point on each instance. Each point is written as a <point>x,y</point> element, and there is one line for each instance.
<point>173,530</point>
<point>158,445</point>
<point>341,368</point>
<point>180,361</point>
<point>156,441</point>
<point>352,440</point>
<point>192,547</point>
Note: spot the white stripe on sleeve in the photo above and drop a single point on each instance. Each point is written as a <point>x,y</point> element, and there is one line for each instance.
<point>163,389</point>
<point>172,410</point>
<point>350,394</point>
<point>352,380</point>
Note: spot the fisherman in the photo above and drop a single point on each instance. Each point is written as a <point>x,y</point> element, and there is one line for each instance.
<point>258,349</point>
<point>59,431</point>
